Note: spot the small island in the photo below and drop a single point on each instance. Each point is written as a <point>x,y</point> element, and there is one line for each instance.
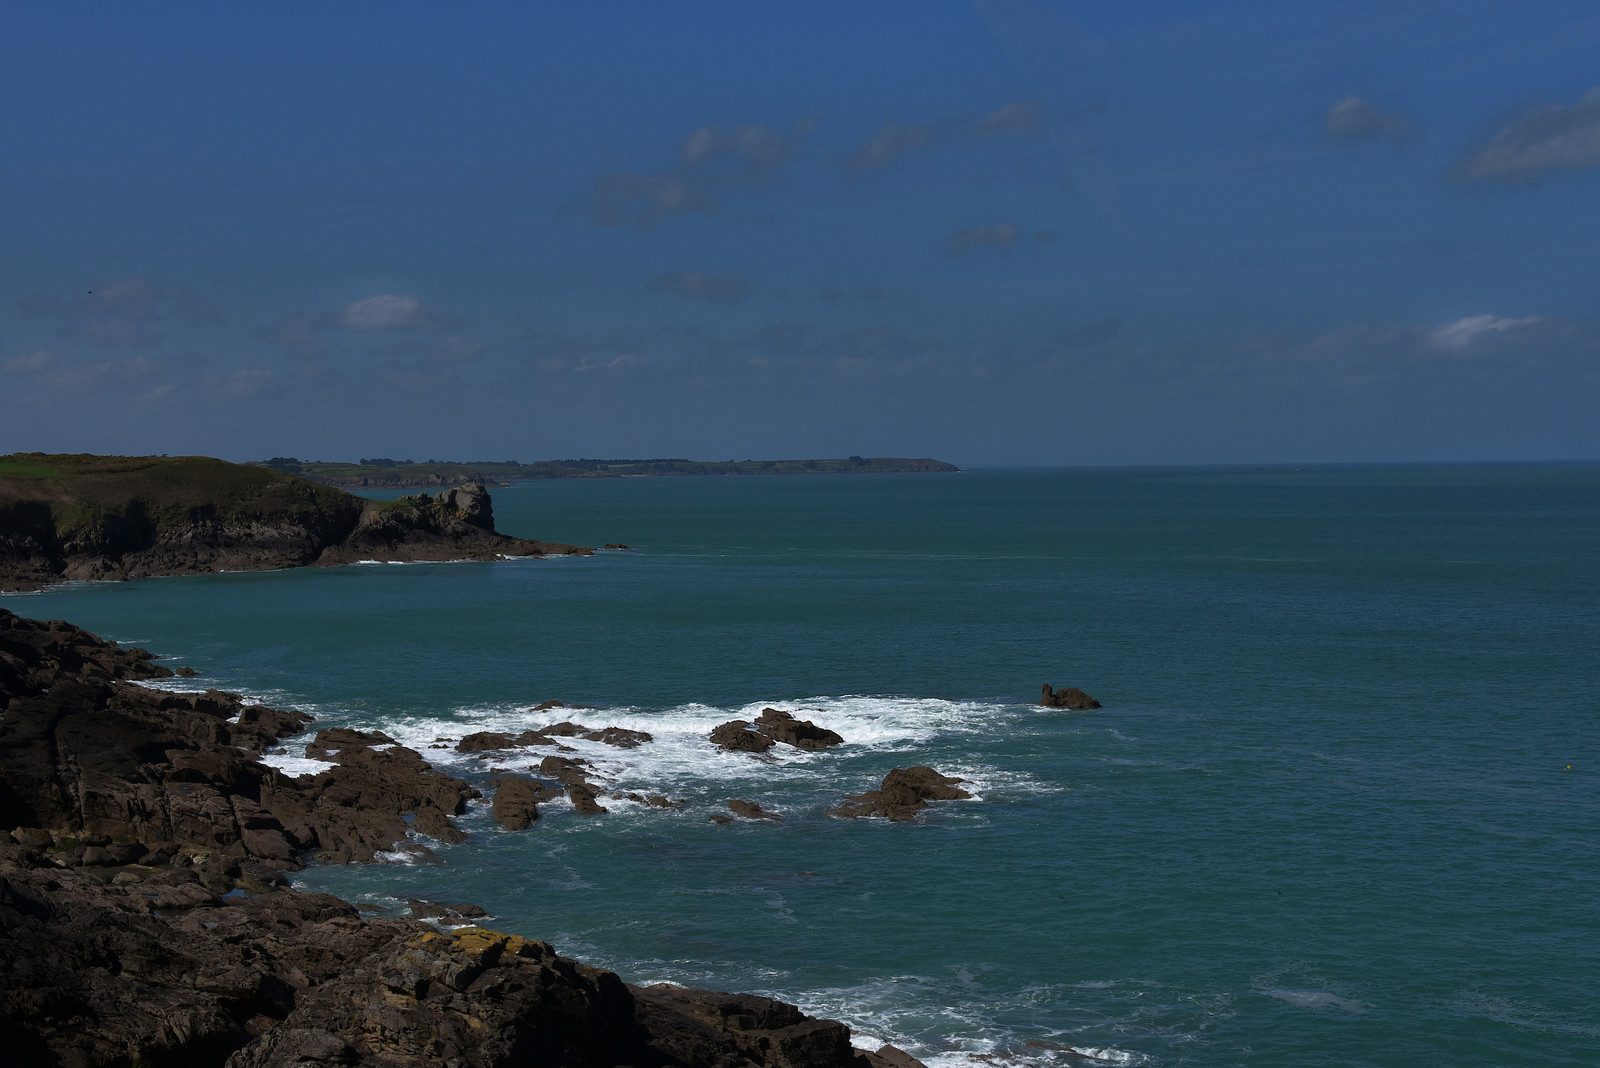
<point>380,472</point>
<point>79,516</point>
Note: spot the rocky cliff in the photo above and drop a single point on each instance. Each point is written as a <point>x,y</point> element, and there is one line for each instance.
<point>145,919</point>
<point>100,517</point>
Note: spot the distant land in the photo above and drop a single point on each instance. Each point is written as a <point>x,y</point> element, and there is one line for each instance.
<point>79,516</point>
<point>384,473</point>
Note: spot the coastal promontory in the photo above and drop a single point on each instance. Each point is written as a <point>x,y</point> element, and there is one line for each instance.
<point>119,517</point>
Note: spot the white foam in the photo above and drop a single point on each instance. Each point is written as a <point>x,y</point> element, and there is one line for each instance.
<point>397,856</point>
<point>297,767</point>
<point>1315,999</point>
<point>682,754</point>
<point>956,1031</point>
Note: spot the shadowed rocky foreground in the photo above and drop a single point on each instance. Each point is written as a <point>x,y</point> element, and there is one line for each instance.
<point>145,918</point>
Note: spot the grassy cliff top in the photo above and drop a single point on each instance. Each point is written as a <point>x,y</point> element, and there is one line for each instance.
<point>163,490</point>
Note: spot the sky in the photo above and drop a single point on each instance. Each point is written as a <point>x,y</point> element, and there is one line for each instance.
<point>993,232</point>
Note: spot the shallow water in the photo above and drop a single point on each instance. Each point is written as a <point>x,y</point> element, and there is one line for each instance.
<point>1325,817</point>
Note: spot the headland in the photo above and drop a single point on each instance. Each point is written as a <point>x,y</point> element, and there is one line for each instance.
<point>118,517</point>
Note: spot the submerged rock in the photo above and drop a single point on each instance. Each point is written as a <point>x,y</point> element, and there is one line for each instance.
<point>1071,698</point>
<point>752,811</point>
<point>438,910</point>
<point>904,793</point>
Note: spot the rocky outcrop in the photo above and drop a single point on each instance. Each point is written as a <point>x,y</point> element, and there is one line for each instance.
<point>456,524</point>
<point>451,915</point>
<point>904,793</point>
<point>516,801</point>
<point>737,735</point>
<point>96,760</point>
<point>1071,697</point>
<point>488,741</point>
<point>772,727</point>
<point>128,818</point>
<point>752,811</point>
<point>98,517</point>
<point>800,733</point>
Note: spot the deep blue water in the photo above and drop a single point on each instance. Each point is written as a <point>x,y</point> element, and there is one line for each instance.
<point>1325,817</point>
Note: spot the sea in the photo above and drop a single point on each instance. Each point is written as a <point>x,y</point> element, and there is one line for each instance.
<point>1341,805</point>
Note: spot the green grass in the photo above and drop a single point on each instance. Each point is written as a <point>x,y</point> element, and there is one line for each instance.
<point>10,466</point>
<point>117,499</point>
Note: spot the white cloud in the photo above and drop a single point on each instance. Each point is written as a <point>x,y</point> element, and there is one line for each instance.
<point>1547,140</point>
<point>1458,335</point>
<point>31,362</point>
<point>386,311</point>
<point>1355,119</point>
<point>711,161</point>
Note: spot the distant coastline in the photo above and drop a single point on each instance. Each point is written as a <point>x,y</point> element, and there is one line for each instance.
<point>383,473</point>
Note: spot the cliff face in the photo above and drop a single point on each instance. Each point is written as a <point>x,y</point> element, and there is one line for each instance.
<point>97,517</point>
<point>144,918</point>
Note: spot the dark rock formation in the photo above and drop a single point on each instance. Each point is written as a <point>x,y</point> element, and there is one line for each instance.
<point>904,793</point>
<point>456,524</point>
<point>125,814</point>
<point>582,795</point>
<point>118,517</point>
<point>516,801</point>
<point>751,811</point>
<point>737,735</point>
<point>568,771</point>
<point>620,737</point>
<point>438,910</point>
<point>84,751</point>
<point>328,744</point>
<point>564,770</point>
<point>800,733</point>
<point>1071,697</point>
<point>770,728</point>
<point>485,741</point>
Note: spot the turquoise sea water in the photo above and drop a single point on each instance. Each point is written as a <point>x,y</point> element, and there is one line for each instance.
<point>1326,816</point>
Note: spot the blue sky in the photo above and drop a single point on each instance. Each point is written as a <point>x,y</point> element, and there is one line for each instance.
<point>998,232</point>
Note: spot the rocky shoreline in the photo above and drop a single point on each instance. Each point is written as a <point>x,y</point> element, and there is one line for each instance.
<point>146,918</point>
<point>113,518</point>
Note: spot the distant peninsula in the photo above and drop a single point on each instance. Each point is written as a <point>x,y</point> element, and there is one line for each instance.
<point>120,517</point>
<point>385,473</point>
